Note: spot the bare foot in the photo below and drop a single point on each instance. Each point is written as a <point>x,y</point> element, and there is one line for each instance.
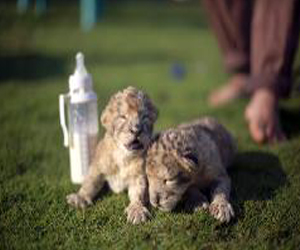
<point>234,88</point>
<point>262,117</point>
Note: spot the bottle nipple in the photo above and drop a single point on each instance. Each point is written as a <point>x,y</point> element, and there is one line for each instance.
<point>80,67</point>
<point>80,82</point>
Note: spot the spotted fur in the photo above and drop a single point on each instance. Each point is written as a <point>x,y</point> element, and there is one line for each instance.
<point>120,156</point>
<point>184,161</point>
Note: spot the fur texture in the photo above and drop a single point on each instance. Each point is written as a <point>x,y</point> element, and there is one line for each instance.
<point>184,161</point>
<point>119,159</point>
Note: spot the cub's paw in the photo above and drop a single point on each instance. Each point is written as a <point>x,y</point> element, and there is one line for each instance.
<point>221,210</point>
<point>137,213</point>
<point>77,201</point>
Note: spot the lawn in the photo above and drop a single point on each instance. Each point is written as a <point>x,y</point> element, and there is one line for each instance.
<point>136,43</point>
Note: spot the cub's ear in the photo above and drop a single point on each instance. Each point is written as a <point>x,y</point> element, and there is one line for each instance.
<point>189,161</point>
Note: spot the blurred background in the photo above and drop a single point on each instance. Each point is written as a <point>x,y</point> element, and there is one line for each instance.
<point>162,46</point>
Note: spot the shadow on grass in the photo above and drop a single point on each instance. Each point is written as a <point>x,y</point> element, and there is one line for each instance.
<point>290,121</point>
<point>30,66</point>
<point>256,176</point>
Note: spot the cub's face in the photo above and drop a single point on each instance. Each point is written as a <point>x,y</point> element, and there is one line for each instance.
<point>168,174</point>
<point>166,190</point>
<point>129,118</point>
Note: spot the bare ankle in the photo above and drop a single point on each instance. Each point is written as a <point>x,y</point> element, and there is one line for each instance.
<point>236,87</point>
<point>266,95</point>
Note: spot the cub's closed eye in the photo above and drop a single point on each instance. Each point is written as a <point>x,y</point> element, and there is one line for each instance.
<point>180,178</point>
<point>191,158</point>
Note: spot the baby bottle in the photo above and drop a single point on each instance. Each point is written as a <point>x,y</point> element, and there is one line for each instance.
<point>81,134</point>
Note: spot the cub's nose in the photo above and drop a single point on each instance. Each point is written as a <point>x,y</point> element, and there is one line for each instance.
<point>155,200</point>
<point>137,130</point>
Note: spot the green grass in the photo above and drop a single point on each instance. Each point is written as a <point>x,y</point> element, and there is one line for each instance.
<point>136,44</point>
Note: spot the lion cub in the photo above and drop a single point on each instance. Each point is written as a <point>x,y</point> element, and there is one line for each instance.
<point>119,159</point>
<point>186,160</point>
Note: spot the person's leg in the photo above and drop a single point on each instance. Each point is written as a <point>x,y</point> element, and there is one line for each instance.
<point>230,20</point>
<point>274,39</point>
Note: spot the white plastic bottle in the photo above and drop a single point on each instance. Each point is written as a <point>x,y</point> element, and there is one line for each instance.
<point>82,135</point>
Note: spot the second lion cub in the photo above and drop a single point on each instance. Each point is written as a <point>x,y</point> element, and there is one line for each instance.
<point>184,161</point>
